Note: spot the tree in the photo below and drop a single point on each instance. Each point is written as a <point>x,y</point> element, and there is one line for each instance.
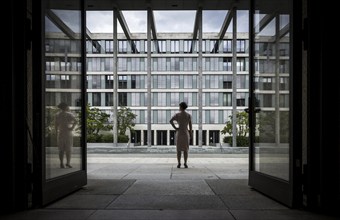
<point>242,129</point>
<point>125,120</point>
<point>97,121</point>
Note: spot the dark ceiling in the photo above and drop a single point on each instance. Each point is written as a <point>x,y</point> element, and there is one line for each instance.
<point>165,4</point>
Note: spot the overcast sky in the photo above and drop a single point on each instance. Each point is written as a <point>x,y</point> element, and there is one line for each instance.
<point>166,21</point>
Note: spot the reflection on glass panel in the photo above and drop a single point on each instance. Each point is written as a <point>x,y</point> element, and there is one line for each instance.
<point>271,77</point>
<point>63,89</point>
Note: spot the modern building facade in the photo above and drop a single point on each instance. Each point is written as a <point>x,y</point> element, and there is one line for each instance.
<point>174,78</point>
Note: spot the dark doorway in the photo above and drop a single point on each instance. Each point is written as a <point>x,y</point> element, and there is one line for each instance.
<point>172,137</point>
<point>214,137</point>
<point>136,137</point>
<point>204,137</point>
<point>146,137</point>
<point>161,137</point>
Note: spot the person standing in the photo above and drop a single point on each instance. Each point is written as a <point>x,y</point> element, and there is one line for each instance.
<point>183,135</point>
<point>65,122</point>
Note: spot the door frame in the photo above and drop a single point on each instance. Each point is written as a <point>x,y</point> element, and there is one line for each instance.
<point>286,192</point>
<point>47,191</point>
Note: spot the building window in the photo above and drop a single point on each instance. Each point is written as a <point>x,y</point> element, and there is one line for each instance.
<point>213,99</point>
<point>122,82</point>
<point>241,99</point>
<point>284,101</point>
<point>65,81</point>
<point>240,46</point>
<point>187,46</point>
<point>122,46</point>
<point>136,46</point>
<point>133,81</point>
<point>161,99</point>
<point>213,46</point>
<point>267,100</point>
<point>96,46</point>
<point>162,46</point>
<point>96,82</point>
<point>108,82</point>
<point>284,66</point>
<point>267,83</point>
<point>227,64</point>
<point>174,99</point>
<point>213,116</point>
<point>135,99</point>
<point>227,99</point>
<point>50,81</point>
<point>242,82</point>
<point>108,99</point>
<point>174,81</point>
<point>96,99</point>
<point>214,81</point>
<point>108,46</point>
<point>227,47</point>
<point>122,99</point>
<point>284,83</point>
<point>174,46</point>
<point>241,64</point>
<point>227,82</point>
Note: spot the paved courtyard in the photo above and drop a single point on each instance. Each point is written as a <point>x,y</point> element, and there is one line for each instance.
<point>150,186</point>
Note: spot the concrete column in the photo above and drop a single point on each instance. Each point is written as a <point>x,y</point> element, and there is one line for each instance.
<point>277,79</point>
<point>207,138</point>
<point>155,137</point>
<point>142,138</point>
<point>194,138</point>
<point>167,137</point>
<point>115,78</point>
<point>200,76</point>
<point>234,60</point>
<point>148,31</point>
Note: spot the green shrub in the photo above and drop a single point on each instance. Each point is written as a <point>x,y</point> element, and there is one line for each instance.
<point>123,138</point>
<point>94,138</point>
<point>227,139</point>
<point>107,138</point>
<point>240,141</point>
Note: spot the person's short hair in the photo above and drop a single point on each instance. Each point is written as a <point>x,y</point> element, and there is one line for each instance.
<point>183,105</point>
<point>63,106</point>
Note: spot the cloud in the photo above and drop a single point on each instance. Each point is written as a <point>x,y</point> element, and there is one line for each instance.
<point>213,20</point>
<point>99,21</point>
<point>166,21</point>
<point>136,21</point>
<point>174,21</point>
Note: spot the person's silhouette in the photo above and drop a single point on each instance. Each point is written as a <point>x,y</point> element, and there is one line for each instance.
<point>65,122</point>
<point>183,134</point>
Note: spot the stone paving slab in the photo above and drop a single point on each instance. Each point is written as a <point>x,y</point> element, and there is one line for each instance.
<point>231,187</point>
<point>175,202</point>
<point>76,201</point>
<point>105,187</point>
<point>278,215</point>
<point>169,187</point>
<point>161,214</point>
<point>250,201</point>
<point>50,214</point>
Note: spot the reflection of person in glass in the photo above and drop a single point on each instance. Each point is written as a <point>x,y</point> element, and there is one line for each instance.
<point>183,135</point>
<point>64,125</point>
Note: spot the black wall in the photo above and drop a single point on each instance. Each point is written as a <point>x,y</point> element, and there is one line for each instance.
<point>323,176</point>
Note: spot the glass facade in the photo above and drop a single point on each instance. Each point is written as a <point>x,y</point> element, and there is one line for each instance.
<point>174,77</point>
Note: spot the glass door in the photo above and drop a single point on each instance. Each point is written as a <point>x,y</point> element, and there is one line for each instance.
<point>63,98</point>
<point>272,122</point>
